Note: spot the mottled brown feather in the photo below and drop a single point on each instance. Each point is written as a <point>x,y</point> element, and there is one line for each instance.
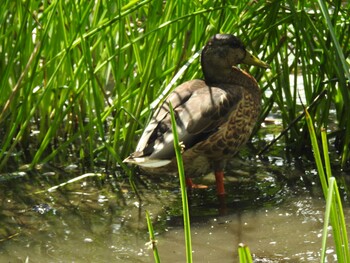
<point>214,117</point>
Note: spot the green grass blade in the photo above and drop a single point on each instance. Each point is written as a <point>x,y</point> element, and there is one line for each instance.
<point>334,211</point>
<point>244,254</point>
<point>152,239</point>
<point>185,209</point>
<point>326,153</point>
<point>342,232</point>
<point>317,154</point>
<point>339,50</point>
<point>329,201</point>
<point>344,70</point>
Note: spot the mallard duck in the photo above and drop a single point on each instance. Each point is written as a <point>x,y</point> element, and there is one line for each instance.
<point>214,116</point>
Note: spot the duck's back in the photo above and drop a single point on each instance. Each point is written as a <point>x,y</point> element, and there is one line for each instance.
<point>212,121</point>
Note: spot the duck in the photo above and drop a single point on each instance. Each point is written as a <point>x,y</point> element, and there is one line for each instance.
<point>214,116</point>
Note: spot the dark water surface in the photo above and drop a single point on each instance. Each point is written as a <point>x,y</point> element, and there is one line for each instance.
<point>273,207</point>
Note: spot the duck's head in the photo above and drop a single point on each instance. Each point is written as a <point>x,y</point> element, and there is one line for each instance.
<point>224,51</point>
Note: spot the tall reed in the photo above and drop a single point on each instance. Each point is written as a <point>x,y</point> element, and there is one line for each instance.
<point>334,210</point>
<point>181,173</point>
<point>78,78</point>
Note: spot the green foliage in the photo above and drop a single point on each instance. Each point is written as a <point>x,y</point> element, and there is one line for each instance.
<point>334,209</point>
<point>244,254</point>
<point>152,242</point>
<point>78,77</point>
<point>185,209</point>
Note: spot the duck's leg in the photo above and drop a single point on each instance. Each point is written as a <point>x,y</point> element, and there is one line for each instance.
<point>189,183</point>
<point>220,190</point>
<point>219,178</point>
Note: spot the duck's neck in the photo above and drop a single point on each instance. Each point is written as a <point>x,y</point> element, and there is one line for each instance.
<point>229,76</point>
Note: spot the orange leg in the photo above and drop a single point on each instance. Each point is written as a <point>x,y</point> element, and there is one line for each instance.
<point>189,183</point>
<point>220,188</point>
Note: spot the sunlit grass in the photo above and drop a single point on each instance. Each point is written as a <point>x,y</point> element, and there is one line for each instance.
<point>181,173</point>
<point>153,242</point>
<point>244,254</point>
<point>79,78</point>
<point>334,210</point>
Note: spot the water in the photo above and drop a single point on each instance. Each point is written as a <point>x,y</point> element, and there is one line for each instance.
<point>273,207</point>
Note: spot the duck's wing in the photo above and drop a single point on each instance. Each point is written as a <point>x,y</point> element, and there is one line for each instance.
<point>199,110</point>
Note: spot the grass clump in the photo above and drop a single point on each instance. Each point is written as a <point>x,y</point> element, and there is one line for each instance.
<point>334,210</point>
<point>78,79</point>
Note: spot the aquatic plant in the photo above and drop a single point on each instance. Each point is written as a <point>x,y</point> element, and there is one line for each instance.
<point>78,79</point>
<point>334,210</point>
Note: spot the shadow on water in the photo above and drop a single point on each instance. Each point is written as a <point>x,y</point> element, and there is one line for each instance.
<point>275,209</point>
<point>86,221</point>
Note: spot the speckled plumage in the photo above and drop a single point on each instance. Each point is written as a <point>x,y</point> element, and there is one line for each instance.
<point>214,116</point>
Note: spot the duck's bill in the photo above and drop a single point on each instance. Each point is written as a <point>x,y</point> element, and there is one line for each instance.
<point>253,60</point>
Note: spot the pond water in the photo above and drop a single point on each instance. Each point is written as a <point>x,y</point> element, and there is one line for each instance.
<point>273,207</point>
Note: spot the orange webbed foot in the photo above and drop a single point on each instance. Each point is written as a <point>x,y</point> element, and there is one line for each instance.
<point>191,185</point>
